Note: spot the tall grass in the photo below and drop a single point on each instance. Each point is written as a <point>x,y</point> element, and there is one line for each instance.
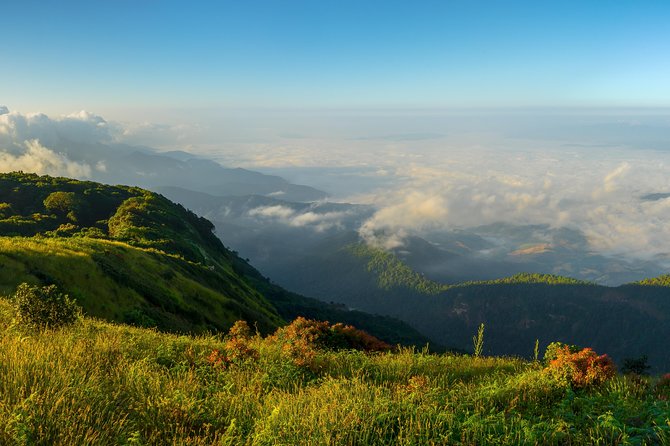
<point>99,383</point>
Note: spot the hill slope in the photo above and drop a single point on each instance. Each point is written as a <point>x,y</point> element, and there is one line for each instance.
<point>130,255</point>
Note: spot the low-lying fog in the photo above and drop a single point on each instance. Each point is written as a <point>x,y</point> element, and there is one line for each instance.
<point>584,193</point>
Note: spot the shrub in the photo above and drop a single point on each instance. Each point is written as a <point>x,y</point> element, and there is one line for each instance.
<point>323,335</point>
<point>237,347</point>
<point>302,338</point>
<point>44,307</point>
<point>663,387</point>
<point>62,203</point>
<point>635,366</point>
<point>240,330</point>
<point>552,350</point>
<point>581,369</point>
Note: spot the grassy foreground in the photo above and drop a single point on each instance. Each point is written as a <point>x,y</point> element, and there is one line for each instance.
<point>100,383</point>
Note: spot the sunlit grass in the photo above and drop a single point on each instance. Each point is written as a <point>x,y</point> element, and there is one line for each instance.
<point>100,383</point>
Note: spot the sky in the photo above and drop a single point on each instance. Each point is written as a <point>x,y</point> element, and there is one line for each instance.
<point>143,60</point>
<point>443,114</point>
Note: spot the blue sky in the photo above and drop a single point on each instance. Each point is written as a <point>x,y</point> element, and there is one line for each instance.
<point>116,55</point>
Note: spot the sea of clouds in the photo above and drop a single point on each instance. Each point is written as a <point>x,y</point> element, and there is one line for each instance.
<point>443,180</point>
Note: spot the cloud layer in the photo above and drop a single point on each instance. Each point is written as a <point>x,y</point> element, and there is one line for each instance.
<point>598,193</point>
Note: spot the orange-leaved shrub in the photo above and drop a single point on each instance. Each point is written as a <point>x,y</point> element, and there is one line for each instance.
<point>581,369</point>
<point>237,347</point>
<point>302,338</point>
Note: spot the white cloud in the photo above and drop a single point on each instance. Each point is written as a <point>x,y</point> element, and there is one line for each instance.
<point>319,221</point>
<point>38,159</point>
<point>597,193</point>
<point>281,212</point>
<point>60,133</point>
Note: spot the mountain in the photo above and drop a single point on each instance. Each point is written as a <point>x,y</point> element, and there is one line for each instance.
<point>444,285</point>
<point>130,255</point>
<point>627,321</point>
<point>149,169</point>
<point>281,237</point>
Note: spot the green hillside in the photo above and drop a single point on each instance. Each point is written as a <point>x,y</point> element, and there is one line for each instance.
<point>391,272</point>
<point>124,253</point>
<point>130,255</point>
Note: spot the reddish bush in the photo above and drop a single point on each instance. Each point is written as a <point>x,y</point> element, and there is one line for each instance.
<point>663,387</point>
<point>322,335</point>
<point>581,369</point>
<point>236,347</point>
<point>240,330</point>
<point>218,359</point>
<point>347,336</point>
<point>302,338</point>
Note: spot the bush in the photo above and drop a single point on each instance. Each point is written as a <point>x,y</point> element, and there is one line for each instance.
<point>635,366</point>
<point>581,369</point>
<point>44,307</point>
<point>323,335</point>
<point>552,350</point>
<point>62,203</point>
<point>662,387</point>
<point>237,348</point>
<point>303,338</point>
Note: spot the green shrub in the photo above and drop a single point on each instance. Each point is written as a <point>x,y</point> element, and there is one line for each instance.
<point>44,307</point>
<point>635,366</point>
<point>62,203</point>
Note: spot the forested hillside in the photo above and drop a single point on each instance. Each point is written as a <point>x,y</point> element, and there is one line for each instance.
<point>627,321</point>
<point>130,255</point>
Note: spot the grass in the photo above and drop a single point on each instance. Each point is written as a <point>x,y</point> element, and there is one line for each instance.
<point>116,281</point>
<point>101,383</point>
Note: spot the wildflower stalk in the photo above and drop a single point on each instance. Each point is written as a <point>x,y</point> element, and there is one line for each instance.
<point>478,341</point>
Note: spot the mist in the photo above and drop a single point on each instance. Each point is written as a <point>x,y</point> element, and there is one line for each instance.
<point>600,173</point>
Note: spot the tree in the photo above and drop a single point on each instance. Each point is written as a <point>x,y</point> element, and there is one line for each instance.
<point>44,307</point>
<point>62,204</point>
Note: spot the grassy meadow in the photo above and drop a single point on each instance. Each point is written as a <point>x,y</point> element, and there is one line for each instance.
<point>99,383</point>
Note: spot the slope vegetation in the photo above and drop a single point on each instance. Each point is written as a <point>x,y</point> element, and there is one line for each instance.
<point>105,384</point>
<point>130,255</point>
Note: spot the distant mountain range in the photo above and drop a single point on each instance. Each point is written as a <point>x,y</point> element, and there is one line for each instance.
<point>153,170</point>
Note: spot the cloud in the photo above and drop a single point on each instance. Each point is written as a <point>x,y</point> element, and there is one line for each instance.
<point>596,192</point>
<point>41,160</point>
<point>80,128</point>
<point>280,212</point>
<point>415,209</point>
<point>86,136</point>
<point>318,221</point>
